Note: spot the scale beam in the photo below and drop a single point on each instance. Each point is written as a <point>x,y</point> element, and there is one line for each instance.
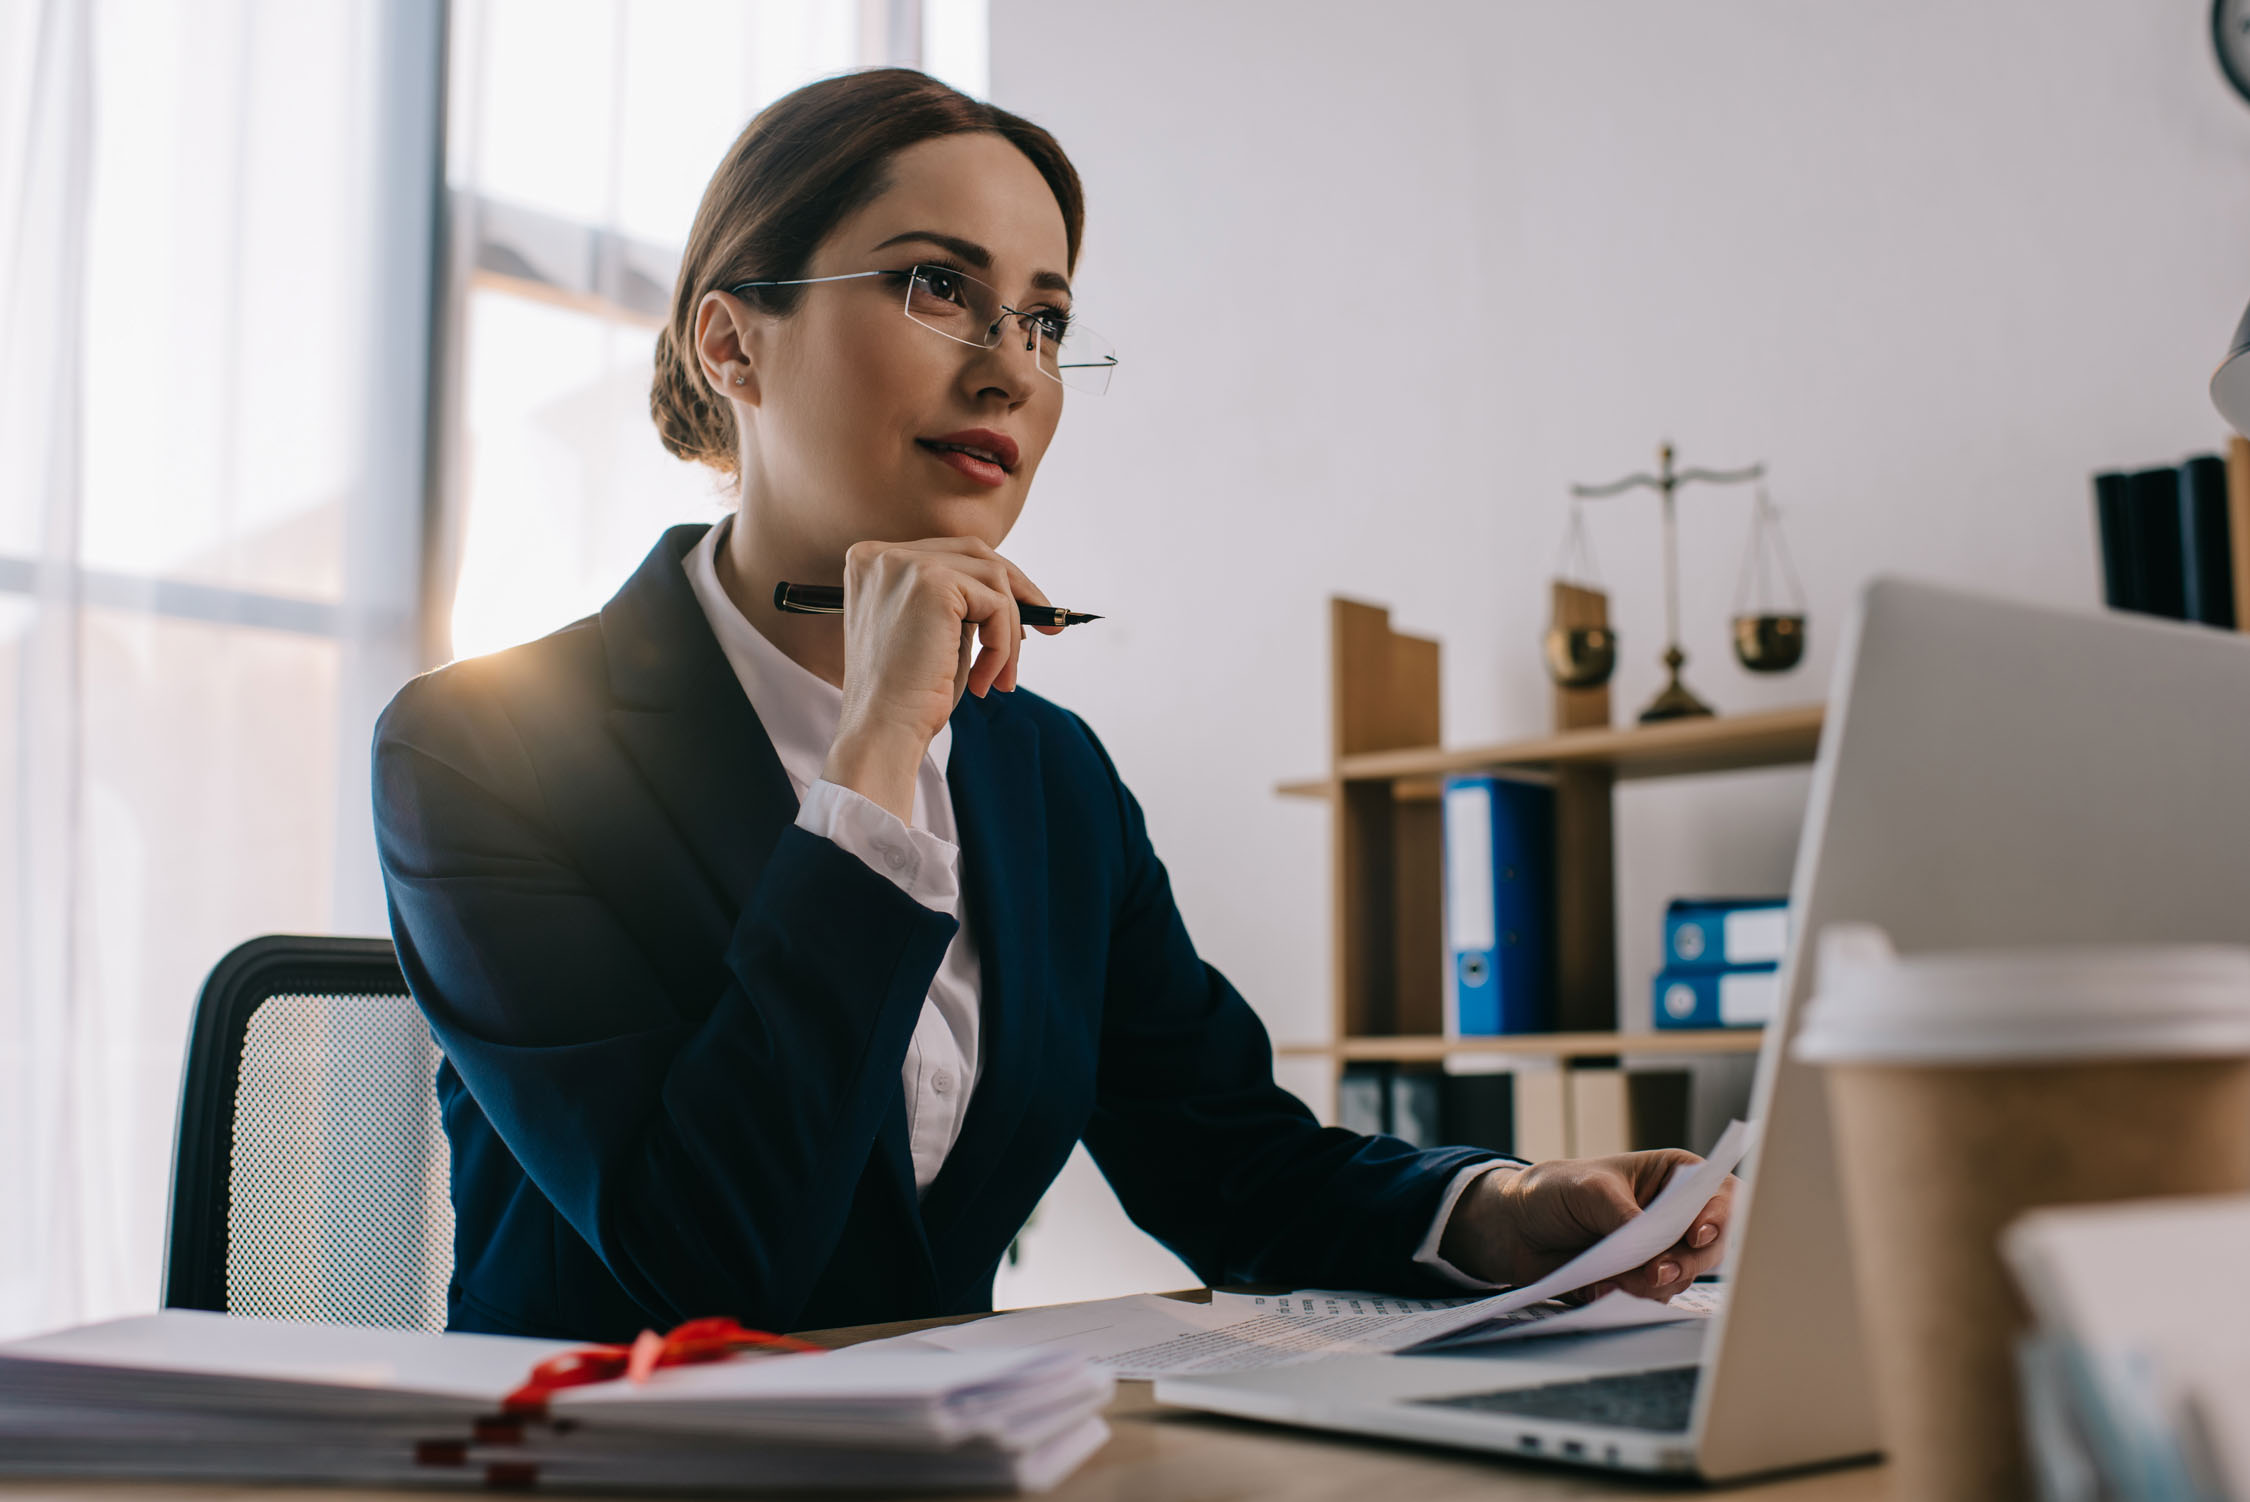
<point>1656,482</point>
<point>1725,476</point>
<point>1616,487</point>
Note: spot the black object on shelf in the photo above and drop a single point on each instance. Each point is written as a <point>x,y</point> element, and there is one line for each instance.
<point>2153,528</point>
<point>2207,554</point>
<point>1479,1110</point>
<point>1658,1100</point>
<point>2110,503</point>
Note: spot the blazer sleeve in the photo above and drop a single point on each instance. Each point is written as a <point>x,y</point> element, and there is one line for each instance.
<point>1206,1152</point>
<point>701,1146</point>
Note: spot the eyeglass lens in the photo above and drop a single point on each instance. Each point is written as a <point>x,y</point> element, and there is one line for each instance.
<point>962,308</point>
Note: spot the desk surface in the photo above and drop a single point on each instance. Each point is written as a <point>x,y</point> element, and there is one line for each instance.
<point>1158,1454</point>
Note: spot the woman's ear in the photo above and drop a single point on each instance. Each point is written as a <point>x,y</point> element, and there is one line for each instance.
<point>726,339</point>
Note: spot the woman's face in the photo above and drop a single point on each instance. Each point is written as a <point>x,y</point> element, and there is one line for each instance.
<point>850,405</point>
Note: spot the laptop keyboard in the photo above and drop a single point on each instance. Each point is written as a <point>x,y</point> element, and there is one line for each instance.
<point>1660,1401</point>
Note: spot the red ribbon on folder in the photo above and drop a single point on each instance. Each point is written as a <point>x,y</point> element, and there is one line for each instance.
<point>699,1340</point>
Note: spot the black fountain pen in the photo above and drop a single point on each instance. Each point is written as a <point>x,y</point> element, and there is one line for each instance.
<point>828,599</point>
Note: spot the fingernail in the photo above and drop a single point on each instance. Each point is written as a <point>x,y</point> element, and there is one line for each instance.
<point>1705,1235</point>
<point>1667,1271</point>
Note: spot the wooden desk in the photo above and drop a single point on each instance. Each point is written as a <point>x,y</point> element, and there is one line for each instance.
<point>1167,1453</point>
<point>1162,1454</point>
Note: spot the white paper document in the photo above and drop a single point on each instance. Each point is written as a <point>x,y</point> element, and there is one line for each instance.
<point>1100,1330</point>
<point>1612,1311</point>
<point>1147,1335</point>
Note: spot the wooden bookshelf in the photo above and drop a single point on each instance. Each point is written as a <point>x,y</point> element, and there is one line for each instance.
<point>1385,774</point>
<point>1765,739</point>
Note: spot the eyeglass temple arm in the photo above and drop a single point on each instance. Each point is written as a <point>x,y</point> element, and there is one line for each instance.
<point>807,281</point>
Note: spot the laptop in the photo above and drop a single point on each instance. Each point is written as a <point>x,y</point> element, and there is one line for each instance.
<point>1990,773</point>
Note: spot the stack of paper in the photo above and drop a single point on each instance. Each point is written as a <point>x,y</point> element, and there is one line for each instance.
<point>2136,1383</point>
<point>190,1395</point>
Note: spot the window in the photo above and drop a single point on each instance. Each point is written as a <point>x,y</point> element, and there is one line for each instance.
<point>582,133</point>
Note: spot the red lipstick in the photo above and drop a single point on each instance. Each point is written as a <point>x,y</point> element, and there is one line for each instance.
<point>980,453</point>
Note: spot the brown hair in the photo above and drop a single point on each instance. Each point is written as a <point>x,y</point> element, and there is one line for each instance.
<point>797,170</point>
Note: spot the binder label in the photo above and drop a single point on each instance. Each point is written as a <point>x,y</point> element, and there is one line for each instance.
<point>1755,935</point>
<point>1749,1000</point>
<point>1469,915</point>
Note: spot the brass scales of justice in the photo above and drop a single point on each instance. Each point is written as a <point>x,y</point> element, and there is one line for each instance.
<point>1769,631</point>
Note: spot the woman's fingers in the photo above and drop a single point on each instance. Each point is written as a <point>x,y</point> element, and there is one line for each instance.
<point>1705,1239</point>
<point>1659,1280</point>
<point>984,589</point>
<point>998,628</point>
<point>1021,585</point>
<point>1661,1277</point>
<point>1002,575</point>
<point>978,587</point>
<point>1708,1231</point>
<point>1697,1252</point>
<point>1002,630</point>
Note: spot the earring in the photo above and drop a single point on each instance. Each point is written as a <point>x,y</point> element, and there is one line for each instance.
<point>742,380</point>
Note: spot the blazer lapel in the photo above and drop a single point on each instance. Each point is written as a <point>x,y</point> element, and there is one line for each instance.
<point>688,726</point>
<point>1000,811</point>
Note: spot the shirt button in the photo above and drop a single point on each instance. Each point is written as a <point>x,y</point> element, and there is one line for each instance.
<point>893,857</point>
<point>941,1082</point>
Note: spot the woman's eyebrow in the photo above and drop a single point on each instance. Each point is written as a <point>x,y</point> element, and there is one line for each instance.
<point>977,256</point>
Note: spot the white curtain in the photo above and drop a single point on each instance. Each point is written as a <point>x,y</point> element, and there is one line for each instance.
<point>207,557</point>
<point>218,222</point>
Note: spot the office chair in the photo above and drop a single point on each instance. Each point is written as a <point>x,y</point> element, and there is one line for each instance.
<point>310,1172</point>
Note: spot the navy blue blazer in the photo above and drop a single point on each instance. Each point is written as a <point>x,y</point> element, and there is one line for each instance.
<point>673,1022</point>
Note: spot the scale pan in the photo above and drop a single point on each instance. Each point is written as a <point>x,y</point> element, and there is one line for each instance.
<point>1769,643</point>
<point>1581,656</point>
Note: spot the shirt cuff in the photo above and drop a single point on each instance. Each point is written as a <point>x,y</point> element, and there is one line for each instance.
<point>1427,1254</point>
<point>920,864</point>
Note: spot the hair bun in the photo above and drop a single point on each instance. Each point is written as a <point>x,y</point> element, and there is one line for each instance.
<point>692,424</point>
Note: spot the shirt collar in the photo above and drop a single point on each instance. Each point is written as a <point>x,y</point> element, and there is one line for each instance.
<point>800,710</point>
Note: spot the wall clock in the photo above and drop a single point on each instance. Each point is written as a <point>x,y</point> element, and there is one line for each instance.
<point>2230,37</point>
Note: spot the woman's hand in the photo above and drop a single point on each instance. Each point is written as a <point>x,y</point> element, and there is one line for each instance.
<point>1515,1227</point>
<point>914,613</point>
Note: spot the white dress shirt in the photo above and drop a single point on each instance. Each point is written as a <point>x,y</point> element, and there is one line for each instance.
<point>801,712</point>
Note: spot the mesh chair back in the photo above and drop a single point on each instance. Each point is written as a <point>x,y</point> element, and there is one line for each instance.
<point>310,1180</point>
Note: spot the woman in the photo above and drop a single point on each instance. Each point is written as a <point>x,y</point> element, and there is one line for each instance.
<point>779,961</point>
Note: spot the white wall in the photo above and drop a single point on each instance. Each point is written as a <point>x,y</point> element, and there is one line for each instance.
<point>1386,279</point>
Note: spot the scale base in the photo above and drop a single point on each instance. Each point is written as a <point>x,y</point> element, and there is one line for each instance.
<point>1676,702</point>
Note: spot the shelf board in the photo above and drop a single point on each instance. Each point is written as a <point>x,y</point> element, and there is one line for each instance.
<point>1425,1049</point>
<point>1724,743</point>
